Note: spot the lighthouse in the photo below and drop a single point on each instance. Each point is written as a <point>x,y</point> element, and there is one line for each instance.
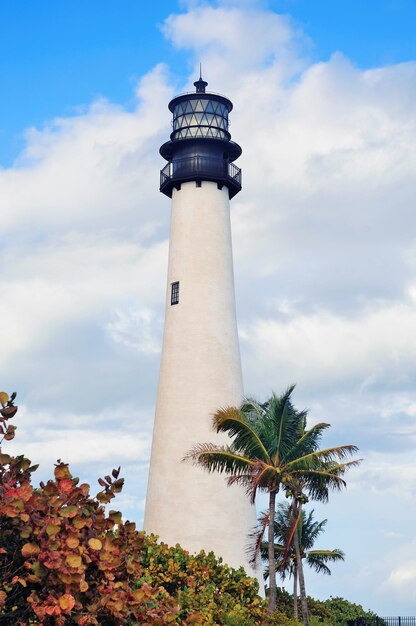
<point>200,368</point>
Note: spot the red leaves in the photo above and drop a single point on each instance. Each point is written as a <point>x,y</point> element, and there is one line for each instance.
<point>65,485</point>
<point>63,558</point>
<point>110,487</point>
<point>51,559</point>
<point>75,564</point>
<point>8,412</point>
<point>25,492</point>
<point>10,432</point>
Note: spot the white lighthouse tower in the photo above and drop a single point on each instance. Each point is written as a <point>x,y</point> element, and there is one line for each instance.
<point>200,368</point>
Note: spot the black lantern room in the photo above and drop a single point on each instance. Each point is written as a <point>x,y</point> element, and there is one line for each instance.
<point>200,146</point>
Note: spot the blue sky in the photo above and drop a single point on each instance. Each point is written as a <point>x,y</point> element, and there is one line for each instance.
<point>60,55</point>
<point>323,236</point>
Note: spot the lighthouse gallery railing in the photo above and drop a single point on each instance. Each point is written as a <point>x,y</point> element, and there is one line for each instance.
<point>200,167</point>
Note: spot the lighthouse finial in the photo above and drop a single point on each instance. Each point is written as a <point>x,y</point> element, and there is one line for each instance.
<point>200,84</point>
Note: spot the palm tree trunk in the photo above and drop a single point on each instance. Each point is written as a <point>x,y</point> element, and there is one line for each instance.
<point>295,593</point>
<point>272,558</point>
<point>302,589</point>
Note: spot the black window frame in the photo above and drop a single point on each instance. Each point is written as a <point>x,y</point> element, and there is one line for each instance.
<point>174,293</point>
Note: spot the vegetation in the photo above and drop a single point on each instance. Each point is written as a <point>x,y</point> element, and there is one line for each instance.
<point>331,612</point>
<point>66,561</point>
<point>207,591</point>
<point>63,559</point>
<point>270,450</point>
<point>307,531</point>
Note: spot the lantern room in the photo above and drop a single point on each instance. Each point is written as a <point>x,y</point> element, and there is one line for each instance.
<point>200,146</point>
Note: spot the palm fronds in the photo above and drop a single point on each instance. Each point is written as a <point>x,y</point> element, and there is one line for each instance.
<point>271,449</point>
<point>245,437</point>
<point>220,459</point>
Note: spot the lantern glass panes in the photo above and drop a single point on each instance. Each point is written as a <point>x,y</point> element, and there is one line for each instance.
<point>200,117</point>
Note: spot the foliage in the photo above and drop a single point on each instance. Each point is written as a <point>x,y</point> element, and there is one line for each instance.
<point>270,450</point>
<point>331,612</point>
<point>281,619</point>
<point>342,611</point>
<point>65,561</point>
<point>308,531</point>
<point>207,591</point>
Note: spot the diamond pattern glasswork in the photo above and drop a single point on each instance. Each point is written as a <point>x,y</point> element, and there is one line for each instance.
<point>200,117</point>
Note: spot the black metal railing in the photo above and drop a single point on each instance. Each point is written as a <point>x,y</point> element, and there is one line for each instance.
<point>383,621</point>
<point>200,167</point>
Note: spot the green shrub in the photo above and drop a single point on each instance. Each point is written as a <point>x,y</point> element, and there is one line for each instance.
<point>205,588</point>
<point>342,611</point>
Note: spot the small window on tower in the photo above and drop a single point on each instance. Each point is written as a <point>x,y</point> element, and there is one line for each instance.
<point>174,294</point>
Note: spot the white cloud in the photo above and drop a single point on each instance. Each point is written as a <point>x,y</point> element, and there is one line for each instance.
<point>97,165</point>
<point>387,474</point>
<point>402,577</point>
<point>73,279</point>
<point>323,348</point>
<point>113,436</point>
<point>136,328</point>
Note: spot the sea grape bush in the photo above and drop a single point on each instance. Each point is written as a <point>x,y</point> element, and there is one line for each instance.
<point>65,561</point>
<point>207,591</point>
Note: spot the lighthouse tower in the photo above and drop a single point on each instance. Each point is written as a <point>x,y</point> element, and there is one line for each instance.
<point>200,368</point>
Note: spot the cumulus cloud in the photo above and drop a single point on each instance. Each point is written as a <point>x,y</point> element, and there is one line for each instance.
<point>402,577</point>
<point>324,349</point>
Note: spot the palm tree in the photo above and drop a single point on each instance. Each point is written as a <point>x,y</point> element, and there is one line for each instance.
<point>307,532</point>
<point>270,448</point>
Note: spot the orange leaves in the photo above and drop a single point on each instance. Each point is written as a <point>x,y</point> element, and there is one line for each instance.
<point>95,544</point>
<point>3,598</point>
<point>53,609</point>
<point>30,550</point>
<point>72,542</point>
<point>51,559</point>
<point>25,492</point>
<point>65,485</point>
<point>67,602</point>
